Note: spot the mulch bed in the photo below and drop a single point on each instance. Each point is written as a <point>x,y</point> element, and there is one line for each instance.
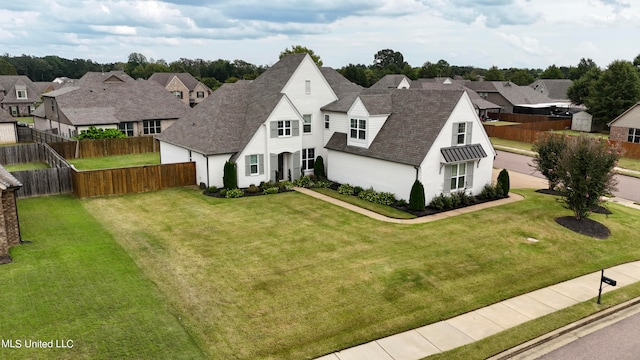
<point>586,227</point>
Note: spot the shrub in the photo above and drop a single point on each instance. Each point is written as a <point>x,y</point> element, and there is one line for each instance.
<point>401,203</point>
<point>212,189</point>
<point>462,198</point>
<point>439,202</point>
<point>284,186</point>
<point>548,147</point>
<point>223,192</point>
<point>268,184</point>
<point>321,183</point>
<point>357,190</point>
<point>503,182</point>
<point>271,190</point>
<point>490,192</point>
<point>385,198</point>
<point>345,189</point>
<point>416,198</point>
<point>230,178</point>
<point>585,171</point>
<point>94,133</point>
<point>305,182</point>
<point>234,193</point>
<point>318,168</point>
<point>252,189</point>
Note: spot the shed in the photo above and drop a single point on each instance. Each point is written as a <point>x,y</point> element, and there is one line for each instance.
<point>583,121</point>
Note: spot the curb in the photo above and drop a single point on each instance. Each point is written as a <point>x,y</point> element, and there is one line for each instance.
<point>541,340</point>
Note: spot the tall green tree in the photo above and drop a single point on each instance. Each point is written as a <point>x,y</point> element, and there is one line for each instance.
<point>584,66</point>
<point>135,65</point>
<point>581,88</point>
<point>388,58</point>
<point>521,77</point>
<point>299,49</point>
<point>494,74</point>
<point>552,72</point>
<point>616,90</point>
<point>6,68</point>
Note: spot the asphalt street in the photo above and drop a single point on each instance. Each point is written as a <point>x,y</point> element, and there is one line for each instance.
<point>628,187</point>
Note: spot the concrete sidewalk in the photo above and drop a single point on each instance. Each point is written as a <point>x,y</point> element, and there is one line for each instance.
<point>479,324</point>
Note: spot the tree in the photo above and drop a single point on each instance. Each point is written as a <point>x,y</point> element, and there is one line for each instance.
<point>229,177</point>
<point>636,62</point>
<point>581,88</point>
<point>299,49</point>
<point>503,182</point>
<point>585,171</point>
<point>136,61</point>
<point>552,72</point>
<point>616,90</point>
<point>416,197</point>
<point>494,74</point>
<point>548,147</point>
<point>388,58</point>
<point>6,68</point>
<point>584,66</point>
<point>439,69</point>
<point>356,74</point>
<point>521,77</point>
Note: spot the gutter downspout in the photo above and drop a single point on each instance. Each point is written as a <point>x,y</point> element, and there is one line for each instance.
<point>206,158</point>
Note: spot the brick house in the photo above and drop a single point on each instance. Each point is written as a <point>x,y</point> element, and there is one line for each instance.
<point>9,226</point>
<point>183,86</point>
<point>626,127</point>
<point>19,96</point>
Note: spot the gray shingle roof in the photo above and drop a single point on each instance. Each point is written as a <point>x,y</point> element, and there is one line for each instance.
<point>390,81</point>
<point>5,117</point>
<point>9,83</point>
<point>228,119</point>
<point>555,88</point>
<point>463,153</point>
<point>95,102</point>
<point>515,94</point>
<point>7,180</point>
<point>417,117</point>
<point>164,78</point>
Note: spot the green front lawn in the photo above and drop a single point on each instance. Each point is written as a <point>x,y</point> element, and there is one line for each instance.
<point>116,161</point>
<point>27,166</point>
<point>27,119</point>
<point>75,282</point>
<point>289,276</point>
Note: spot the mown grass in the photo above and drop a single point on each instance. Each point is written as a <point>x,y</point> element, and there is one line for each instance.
<point>27,166</point>
<point>116,161</point>
<point>377,208</point>
<point>75,282</point>
<point>290,276</point>
<point>26,119</point>
<point>501,123</point>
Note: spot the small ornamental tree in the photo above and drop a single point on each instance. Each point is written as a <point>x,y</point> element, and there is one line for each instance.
<point>585,173</point>
<point>230,178</point>
<point>503,182</point>
<point>416,198</point>
<point>318,168</point>
<point>548,147</point>
<point>94,133</point>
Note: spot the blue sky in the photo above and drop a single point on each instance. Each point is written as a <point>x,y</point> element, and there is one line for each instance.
<point>505,33</point>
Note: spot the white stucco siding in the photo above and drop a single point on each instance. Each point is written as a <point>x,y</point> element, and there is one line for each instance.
<point>216,168</point>
<point>368,172</point>
<point>8,133</point>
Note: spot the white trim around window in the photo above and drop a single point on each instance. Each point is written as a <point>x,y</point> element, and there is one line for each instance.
<point>150,127</point>
<point>358,129</point>
<point>308,158</point>
<point>306,124</point>
<point>284,128</point>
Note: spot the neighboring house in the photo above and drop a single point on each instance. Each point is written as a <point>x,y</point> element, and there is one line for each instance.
<point>275,127</point>
<point>19,96</point>
<point>109,100</point>
<point>183,86</point>
<point>626,127</point>
<point>8,130</point>
<point>9,226</point>
<point>508,95</point>
<point>554,89</point>
<point>392,81</point>
<point>45,87</point>
<point>482,106</point>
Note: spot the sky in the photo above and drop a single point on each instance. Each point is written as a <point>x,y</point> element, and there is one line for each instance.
<point>481,33</point>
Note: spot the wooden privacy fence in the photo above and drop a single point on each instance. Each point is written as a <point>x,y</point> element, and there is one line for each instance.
<point>55,180</point>
<point>26,134</point>
<point>106,147</point>
<point>132,180</point>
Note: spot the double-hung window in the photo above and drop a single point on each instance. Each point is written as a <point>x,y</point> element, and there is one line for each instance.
<point>461,134</point>
<point>254,165</point>
<point>200,94</point>
<point>126,128</point>
<point>308,158</point>
<point>284,128</point>
<point>21,94</point>
<point>150,127</point>
<point>306,124</point>
<point>177,94</point>
<point>634,136</point>
<point>326,121</point>
<point>358,129</point>
<point>458,175</point>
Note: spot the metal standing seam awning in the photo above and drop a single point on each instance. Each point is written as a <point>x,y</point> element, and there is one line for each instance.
<point>455,154</point>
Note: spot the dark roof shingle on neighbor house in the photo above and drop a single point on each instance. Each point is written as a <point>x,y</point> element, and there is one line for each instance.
<point>165,78</point>
<point>111,98</point>
<point>6,118</point>
<point>515,94</point>
<point>417,117</point>
<point>9,83</point>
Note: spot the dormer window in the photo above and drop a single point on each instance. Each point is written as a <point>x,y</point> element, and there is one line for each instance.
<point>21,94</point>
<point>358,129</point>
<point>177,94</point>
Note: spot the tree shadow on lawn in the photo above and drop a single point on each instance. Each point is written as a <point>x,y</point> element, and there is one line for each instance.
<point>587,227</point>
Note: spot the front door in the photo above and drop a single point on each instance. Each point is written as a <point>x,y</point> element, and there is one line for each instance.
<point>280,173</point>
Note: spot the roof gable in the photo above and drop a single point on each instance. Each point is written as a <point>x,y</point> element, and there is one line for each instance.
<point>629,119</point>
